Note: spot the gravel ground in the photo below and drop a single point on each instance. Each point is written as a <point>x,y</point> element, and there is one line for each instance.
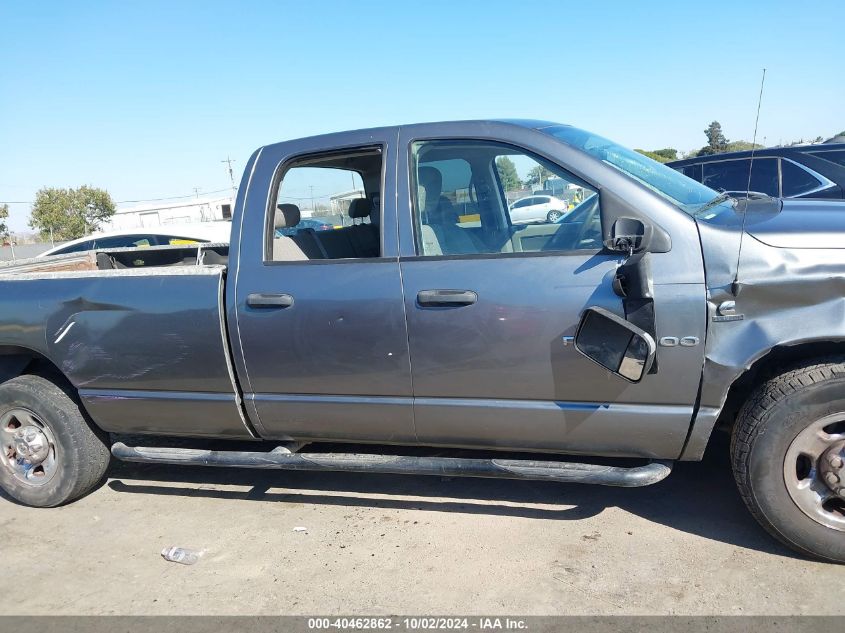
<point>380,544</point>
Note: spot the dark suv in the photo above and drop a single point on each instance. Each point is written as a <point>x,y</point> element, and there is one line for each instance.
<point>801,171</point>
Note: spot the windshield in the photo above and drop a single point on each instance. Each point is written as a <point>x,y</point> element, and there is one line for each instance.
<point>686,193</point>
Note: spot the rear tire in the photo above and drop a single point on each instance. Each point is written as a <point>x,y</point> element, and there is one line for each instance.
<point>51,453</point>
<point>553,216</point>
<point>786,449</point>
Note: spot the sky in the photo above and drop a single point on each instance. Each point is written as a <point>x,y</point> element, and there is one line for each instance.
<point>145,99</point>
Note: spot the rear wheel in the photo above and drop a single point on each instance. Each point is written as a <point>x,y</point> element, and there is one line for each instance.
<point>788,454</point>
<point>51,453</point>
<point>554,215</point>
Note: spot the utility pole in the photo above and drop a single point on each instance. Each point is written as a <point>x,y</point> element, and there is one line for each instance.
<point>313,208</point>
<point>196,192</point>
<point>229,162</point>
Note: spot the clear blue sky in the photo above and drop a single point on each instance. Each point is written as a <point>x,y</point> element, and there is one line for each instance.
<point>146,98</point>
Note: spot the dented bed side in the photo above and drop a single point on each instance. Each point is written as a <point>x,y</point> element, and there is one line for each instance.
<point>145,347</point>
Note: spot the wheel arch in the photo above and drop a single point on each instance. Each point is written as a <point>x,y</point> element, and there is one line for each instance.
<point>16,360</point>
<point>760,369</point>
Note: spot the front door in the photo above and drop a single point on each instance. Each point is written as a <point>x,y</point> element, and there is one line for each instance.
<point>492,306</point>
<point>320,318</point>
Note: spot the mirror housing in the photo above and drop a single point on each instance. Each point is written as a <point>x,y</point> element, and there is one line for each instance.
<point>615,344</point>
<point>629,236</point>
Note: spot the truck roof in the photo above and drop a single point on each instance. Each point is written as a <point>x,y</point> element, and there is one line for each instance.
<point>432,126</point>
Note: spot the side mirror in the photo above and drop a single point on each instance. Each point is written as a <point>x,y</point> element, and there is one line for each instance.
<point>615,344</point>
<point>629,235</point>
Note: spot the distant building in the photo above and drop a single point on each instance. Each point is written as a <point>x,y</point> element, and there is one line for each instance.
<point>339,203</point>
<point>187,211</point>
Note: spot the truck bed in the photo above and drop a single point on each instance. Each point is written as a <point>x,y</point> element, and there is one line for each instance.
<point>121,259</point>
<point>141,333</point>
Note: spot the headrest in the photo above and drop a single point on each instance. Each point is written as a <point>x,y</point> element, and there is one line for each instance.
<point>360,208</point>
<point>287,215</point>
<point>430,181</point>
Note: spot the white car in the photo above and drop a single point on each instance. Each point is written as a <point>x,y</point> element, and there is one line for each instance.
<point>168,235</point>
<point>539,208</point>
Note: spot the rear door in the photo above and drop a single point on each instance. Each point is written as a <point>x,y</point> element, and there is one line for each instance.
<point>490,330</point>
<point>321,337</point>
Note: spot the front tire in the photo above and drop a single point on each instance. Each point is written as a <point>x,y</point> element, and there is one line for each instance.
<point>787,452</point>
<point>51,453</point>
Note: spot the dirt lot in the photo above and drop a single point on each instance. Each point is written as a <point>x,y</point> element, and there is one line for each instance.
<point>379,544</point>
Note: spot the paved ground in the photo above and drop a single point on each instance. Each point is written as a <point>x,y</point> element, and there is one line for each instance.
<point>22,251</point>
<point>380,544</point>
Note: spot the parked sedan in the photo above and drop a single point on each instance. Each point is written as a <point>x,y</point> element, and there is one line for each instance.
<point>171,235</point>
<point>798,171</point>
<point>305,223</point>
<point>538,209</point>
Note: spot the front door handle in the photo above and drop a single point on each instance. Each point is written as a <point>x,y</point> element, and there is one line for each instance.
<point>269,300</point>
<point>446,297</point>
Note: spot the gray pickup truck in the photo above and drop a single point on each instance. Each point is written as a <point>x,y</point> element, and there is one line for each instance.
<point>628,327</point>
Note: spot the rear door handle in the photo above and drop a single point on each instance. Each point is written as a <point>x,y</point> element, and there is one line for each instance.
<point>269,300</point>
<point>446,297</point>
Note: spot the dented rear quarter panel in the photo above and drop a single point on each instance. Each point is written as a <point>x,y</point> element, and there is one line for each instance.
<point>145,348</point>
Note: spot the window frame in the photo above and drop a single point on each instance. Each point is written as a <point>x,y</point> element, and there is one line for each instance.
<point>539,157</point>
<point>273,195</point>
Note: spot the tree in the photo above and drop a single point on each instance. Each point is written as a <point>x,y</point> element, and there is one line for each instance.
<point>507,173</point>
<point>716,141</point>
<point>4,213</point>
<point>660,155</point>
<point>70,213</point>
<point>537,175</point>
<point>741,146</point>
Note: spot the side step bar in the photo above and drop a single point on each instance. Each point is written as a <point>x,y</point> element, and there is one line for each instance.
<point>281,458</point>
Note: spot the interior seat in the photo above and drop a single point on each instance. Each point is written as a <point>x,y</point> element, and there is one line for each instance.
<point>440,220</point>
<point>302,246</point>
<point>364,236</point>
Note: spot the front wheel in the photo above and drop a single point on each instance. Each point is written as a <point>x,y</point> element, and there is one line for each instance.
<point>788,455</point>
<point>51,454</point>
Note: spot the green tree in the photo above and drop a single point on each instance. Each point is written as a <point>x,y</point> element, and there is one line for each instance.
<point>4,213</point>
<point>742,146</point>
<point>660,155</point>
<point>716,141</point>
<point>70,213</point>
<point>537,175</point>
<point>507,173</point>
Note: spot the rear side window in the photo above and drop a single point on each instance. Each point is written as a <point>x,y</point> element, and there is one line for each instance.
<point>732,175</point>
<point>124,241</point>
<point>796,180</point>
<point>328,206</point>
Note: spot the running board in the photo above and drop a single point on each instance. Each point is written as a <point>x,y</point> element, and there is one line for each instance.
<point>279,458</point>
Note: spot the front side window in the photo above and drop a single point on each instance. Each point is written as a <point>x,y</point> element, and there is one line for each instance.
<point>477,197</point>
<point>732,175</point>
<point>328,207</point>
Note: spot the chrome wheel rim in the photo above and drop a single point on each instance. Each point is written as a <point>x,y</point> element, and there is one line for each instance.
<point>814,471</point>
<point>554,216</point>
<point>29,448</point>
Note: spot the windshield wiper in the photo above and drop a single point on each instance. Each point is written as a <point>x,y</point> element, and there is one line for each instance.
<point>717,200</point>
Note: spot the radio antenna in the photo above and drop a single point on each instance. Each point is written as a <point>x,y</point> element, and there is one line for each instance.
<point>735,285</point>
